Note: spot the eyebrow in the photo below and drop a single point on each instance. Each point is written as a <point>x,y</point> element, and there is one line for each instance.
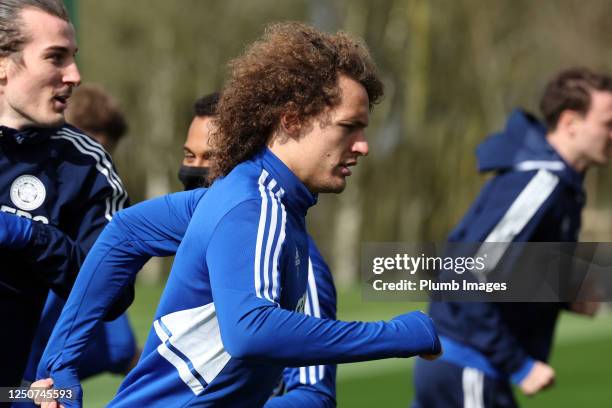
<point>354,122</point>
<point>60,48</point>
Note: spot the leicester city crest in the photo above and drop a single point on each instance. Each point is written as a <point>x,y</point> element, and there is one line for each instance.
<point>28,192</point>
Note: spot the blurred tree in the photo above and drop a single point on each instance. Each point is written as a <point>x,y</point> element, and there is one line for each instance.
<point>452,71</point>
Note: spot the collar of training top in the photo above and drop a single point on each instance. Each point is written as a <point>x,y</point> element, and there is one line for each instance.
<point>522,146</point>
<point>21,136</point>
<point>296,195</point>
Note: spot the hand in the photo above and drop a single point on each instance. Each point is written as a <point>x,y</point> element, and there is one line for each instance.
<point>588,301</point>
<point>15,232</point>
<point>431,357</point>
<point>52,404</point>
<point>540,377</point>
<point>45,384</point>
<point>589,309</point>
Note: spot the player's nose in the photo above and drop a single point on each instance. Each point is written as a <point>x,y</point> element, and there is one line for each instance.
<point>72,75</point>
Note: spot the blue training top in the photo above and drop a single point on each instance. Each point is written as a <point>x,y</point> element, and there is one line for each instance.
<point>303,387</point>
<point>246,247</point>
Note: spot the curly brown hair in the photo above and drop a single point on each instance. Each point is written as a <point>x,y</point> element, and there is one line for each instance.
<point>293,68</point>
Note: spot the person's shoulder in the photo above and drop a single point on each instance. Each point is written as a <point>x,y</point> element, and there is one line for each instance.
<point>73,142</point>
<point>227,197</point>
<point>85,161</point>
<point>241,196</point>
<point>246,183</point>
<point>516,181</point>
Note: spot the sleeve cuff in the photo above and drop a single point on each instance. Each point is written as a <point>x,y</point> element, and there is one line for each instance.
<point>68,382</point>
<point>519,375</point>
<point>423,335</point>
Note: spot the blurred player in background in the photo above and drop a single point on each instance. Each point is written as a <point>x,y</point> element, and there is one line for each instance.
<point>58,189</point>
<point>97,113</point>
<point>536,195</point>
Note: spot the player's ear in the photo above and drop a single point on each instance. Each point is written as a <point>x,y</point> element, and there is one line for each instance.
<point>568,120</point>
<point>290,122</point>
<point>3,63</point>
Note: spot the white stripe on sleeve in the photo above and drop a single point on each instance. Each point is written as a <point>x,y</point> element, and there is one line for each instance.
<point>84,145</point>
<point>277,249</point>
<point>269,239</point>
<point>315,373</point>
<point>260,232</point>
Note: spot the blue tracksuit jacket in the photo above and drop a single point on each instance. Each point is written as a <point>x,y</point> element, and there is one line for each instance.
<point>534,196</point>
<point>131,239</point>
<point>67,185</point>
<point>247,249</point>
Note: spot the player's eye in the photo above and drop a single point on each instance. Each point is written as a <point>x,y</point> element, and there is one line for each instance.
<point>56,59</point>
<point>348,127</point>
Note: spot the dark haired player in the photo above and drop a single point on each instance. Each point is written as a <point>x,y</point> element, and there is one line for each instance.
<point>197,148</point>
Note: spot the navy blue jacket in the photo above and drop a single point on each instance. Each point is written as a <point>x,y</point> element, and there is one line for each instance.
<point>534,196</point>
<point>66,183</point>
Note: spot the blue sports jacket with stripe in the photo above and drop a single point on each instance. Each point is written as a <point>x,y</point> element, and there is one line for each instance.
<point>66,184</point>
<point>226,325</point>
<point>129,241</point>
<point>504,339</point>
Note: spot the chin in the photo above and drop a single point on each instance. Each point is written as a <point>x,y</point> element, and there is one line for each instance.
<point>327,185</point>
<point>332,188</point>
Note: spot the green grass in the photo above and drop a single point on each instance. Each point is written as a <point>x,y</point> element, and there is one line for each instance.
<point>581,358</point>
<point>582,367</point>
